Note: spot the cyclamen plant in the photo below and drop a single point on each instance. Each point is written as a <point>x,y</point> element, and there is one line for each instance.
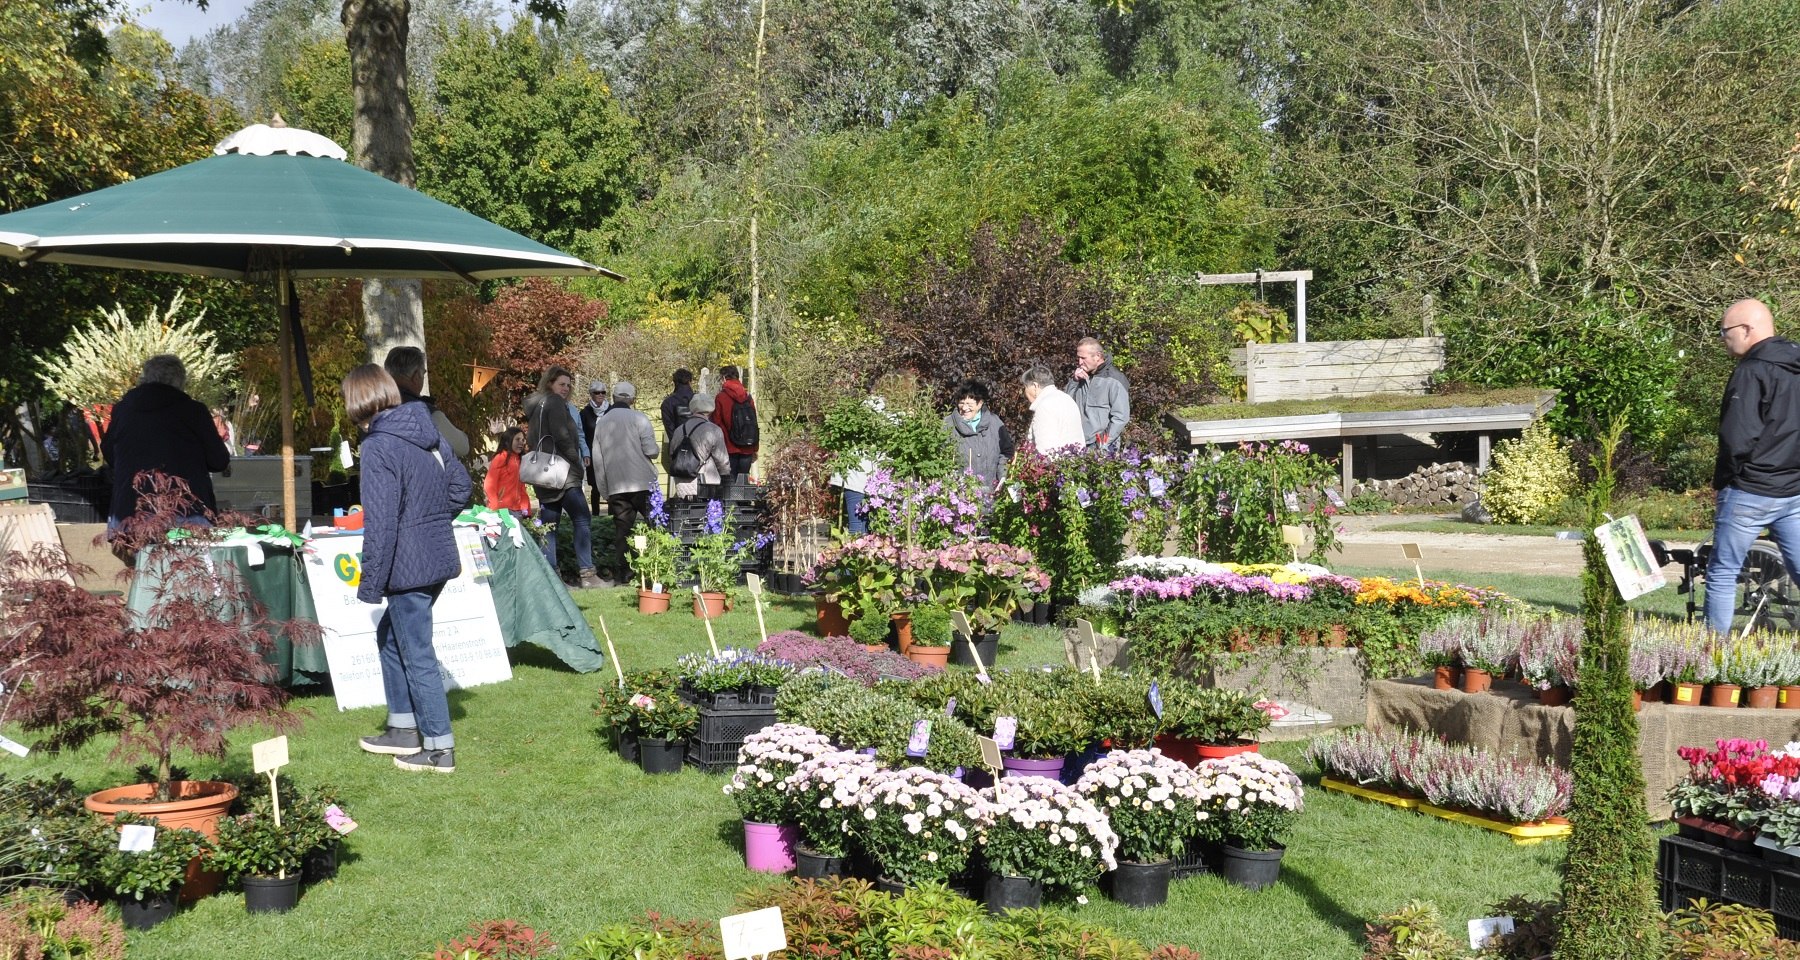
<point>1040,829</point>
<point>765,761</point>
<point>1249,799</point>
<point>823,794</point>
<point>1151,800</point>
<point>918,825</point>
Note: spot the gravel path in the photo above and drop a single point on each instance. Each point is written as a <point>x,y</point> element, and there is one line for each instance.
<point>1367,544</point>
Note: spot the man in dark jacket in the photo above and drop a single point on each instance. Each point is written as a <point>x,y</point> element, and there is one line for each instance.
<point>1757,475</point>
<point>1101,393</point>
<point>590,412</point>
<point>157,426</point>
<point>675,405</point>
<point>407,366</point>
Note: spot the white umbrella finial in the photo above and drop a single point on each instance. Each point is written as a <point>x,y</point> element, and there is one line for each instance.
<point>264,139</point>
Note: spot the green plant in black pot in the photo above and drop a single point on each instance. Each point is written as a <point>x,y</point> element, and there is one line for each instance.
<point>930,626</point>
<point>1210,714</point>
<point>254,845</point>
<point>147,874</point>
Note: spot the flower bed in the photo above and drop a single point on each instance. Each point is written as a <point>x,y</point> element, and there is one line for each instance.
<point>840,655</point>
<point>1511,789</point>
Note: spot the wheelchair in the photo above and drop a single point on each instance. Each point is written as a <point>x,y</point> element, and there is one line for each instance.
<point>1767,597</point>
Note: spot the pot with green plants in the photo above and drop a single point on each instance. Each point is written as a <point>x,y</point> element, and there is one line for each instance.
<point>147,882</point>
<point>930,636</point>
<point>265,855</point>
<point>320,812</point>
<point>655,558</point>
<point>1203,723</point>
<point>872,632</point>
<point>1049,730</point>
<point>663,725</point>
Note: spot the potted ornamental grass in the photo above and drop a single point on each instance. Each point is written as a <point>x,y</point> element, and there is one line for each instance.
<point>823,794</point>
<point>146,883</point>
<point>182,676</point>
<point>917,826</point>
<point>265,854</point>
<point>656,558</point>
<point>1152,802</point>
<point>1249,802</point>
<point>765,761</point>
<point>1038,834</point>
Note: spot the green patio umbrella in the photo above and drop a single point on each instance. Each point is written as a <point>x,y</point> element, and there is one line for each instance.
<point>275,203</point>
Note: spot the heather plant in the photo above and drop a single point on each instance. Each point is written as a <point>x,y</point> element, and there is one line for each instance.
<point>840,655</point>
<point>1493,647</point>
<point>1441,644</point>
<point>1549,648</point>
<point>1681,649</point>
<point>1516,789</point>
<point>183,676</point>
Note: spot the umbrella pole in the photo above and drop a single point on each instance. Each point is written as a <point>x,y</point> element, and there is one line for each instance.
<point>287,401</point>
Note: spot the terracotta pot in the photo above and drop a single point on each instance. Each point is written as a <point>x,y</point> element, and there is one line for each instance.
<point>1307,638</point>
<point>1637,700</point>
<point>875,647</point>
<point>830,620</point>
<point>1722,695</point>
<point>709,605</point>
<point>1554,696</point>
<point>1179,749</point>
<point>903,632</point>
<point>1789,699</point>
<point>1685,694</point>
<point>1476,681</point>
<point>1762,698</point>
<point>1658,692</point>
<point>649,601</point>
<point>1446,677</point>
<point>1242,640</point>
<point>1337,635</point>
<point>198,805</point>
<point>1219,751</point>
<point>938,657</point>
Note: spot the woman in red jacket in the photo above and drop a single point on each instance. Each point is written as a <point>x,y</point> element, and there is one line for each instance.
<point>504,489</point>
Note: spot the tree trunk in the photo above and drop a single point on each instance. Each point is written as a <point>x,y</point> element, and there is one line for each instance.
<point>381,142</point>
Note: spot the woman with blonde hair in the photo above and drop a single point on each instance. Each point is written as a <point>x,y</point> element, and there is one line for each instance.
<point>412,486</point>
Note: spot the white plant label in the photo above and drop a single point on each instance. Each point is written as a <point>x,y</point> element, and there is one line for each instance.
<point>642,543</point>
<point>1481,930</point>
<point>137,837</point>
<point>990,752</point>
<point>14,747</point>
<point>753,583</point>
<point>1628,558</point>
<point>269,754</point>
<point>1293,536</point>
<point>960,622</point>
<point>754,934</point>
<point>1291,500</point>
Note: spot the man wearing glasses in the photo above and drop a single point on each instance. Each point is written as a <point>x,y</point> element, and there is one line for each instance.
<point>1757,474</point>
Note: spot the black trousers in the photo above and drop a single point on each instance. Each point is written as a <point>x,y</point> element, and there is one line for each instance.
<point>626,509</point>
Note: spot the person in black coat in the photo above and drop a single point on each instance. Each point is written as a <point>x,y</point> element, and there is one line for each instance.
<point>675,405</point>
<point>412,487</point>
<point>157,426</point>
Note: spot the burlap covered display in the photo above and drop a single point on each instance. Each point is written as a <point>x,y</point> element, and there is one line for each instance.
<point>1509,720</point>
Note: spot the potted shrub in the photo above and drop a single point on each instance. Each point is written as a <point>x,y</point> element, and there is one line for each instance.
<point>146,883</point>
<point>1487,653</point>
<point>183,676</point>
<point>715,560</point>
<point>1152,802</point>
<point>656,554</point>
<point>871,632</point>
<point>1719,801</point>
<point>868,576</point>
<point>822,794</point>
<point>1248,802</point>
<point>1118,707</point>
<point>930,636</point>
<point>663,725</point>
<point>764,763</point>
<point>265,856</point>
<point>1205,722</point>
<point>950,746</point>
<point>1050,728</point>
<point>1037,834</point>
<point>917,825</point>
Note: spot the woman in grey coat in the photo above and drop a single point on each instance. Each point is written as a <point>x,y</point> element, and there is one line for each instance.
<point>983,444</point>
<point>708,442</point>
<point>551,428</point>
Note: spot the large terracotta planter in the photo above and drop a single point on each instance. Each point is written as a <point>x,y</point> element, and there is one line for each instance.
<point>1219,751</point>
<point>649,601</point>
<point>1554,696</point>
<point>829,620</point>
<point>198,805</point>
<point>710,606</point>
<point>1180,749</point>
<point>1762,698</point>
<point>935,657</point>
<point>1722,695</point>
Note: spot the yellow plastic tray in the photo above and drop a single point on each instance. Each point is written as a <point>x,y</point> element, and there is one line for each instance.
<point>1522,834</point>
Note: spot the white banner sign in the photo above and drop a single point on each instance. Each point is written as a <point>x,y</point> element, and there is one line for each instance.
<point>465,631</point>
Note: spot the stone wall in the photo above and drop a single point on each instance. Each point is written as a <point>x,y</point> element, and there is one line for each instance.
<point>1448,484</point>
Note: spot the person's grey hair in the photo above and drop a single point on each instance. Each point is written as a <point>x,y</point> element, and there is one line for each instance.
<point>165,368</point>
<point>702,403</point>
<point>405,363</point>
<point>1090,342</point>
<point>1038,376</point>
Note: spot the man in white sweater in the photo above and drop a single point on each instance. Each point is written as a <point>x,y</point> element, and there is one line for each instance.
<point>1055,420</point>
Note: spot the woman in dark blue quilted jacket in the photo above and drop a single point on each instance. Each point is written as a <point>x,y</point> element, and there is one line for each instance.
<point>412,486</point>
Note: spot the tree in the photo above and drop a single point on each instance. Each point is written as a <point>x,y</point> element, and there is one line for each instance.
<point>534,325</point>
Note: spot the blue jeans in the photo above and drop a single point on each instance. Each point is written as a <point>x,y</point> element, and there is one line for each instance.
<point>409,667</point>
<point>854,521</point>
<point>1739,519</point>
<point>577,505</point>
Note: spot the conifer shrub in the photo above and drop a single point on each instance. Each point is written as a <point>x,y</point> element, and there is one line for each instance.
<point>1531,477</point>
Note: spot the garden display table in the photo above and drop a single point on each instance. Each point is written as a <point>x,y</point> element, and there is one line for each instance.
<point>530,601</point>
<point>1509,719</point>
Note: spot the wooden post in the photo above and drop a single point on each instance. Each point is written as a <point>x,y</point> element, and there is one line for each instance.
<point>1482,443</point>
<point>1300,306</point>
<point>1345,462</point>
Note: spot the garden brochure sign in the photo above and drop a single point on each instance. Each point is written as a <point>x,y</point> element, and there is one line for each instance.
<point>464,628</point>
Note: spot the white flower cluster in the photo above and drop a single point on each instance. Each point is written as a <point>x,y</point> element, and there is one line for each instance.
<point>1140,780</point>
<point>1164,568</point>
<point>927,804</point>
<point>770,754</point>
<point>1064,817</point>
<point>1250,779</point>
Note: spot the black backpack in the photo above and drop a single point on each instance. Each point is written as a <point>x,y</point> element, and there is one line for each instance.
<point>744,432</point>
<point>684,463</point>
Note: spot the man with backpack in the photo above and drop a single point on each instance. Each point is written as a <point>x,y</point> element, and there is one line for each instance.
<point>735,413</point>
<point>696,449</point>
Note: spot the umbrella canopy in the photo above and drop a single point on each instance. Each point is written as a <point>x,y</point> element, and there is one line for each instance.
<point>296,204</point>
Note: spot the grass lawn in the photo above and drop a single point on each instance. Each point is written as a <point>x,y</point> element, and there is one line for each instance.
<point>542,822</point>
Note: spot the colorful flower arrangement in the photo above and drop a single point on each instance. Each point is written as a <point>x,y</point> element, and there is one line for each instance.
<point>1151,801</point>
<point>823,795</point>
<point>1514,789</point>
<point>1248,800</point>
<point>875,575</point>
<point>1738,783</point>
<point>930,513</point>
<point>731,669</point>
<point>918,825</point>
<point>765,761</point>
<point>1040,829</point>
<point>1427,593</point>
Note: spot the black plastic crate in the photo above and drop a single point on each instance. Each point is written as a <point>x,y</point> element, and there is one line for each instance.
<point>1192,862</point>
<point>1689,870</point>
<point>733,725</point>
<point>708,757</point>
<point>73,498</point>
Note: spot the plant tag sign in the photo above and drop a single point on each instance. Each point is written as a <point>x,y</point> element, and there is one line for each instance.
<point>950,707</point>
<point>990,752</point>
<point>1485,928</point>
<point>1628,557</point>
<point>1291,500</point>
<point>753,582</point>
<point>1412,552</point>
<point>1156,699</point>
<point>1005,730</point>
<point>137,837</point>
<point>642,543</point>
<point>14,747</point>
<point>338,820</point>
<point>754,934</point>
<point>269,754</point>
<point>960,622</point>
<point>1293,536</point>
<point>920,742</point>
<point>1336,498</point>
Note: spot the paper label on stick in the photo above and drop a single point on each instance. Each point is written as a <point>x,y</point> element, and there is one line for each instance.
<point>754,934</point>
<point>1293,536</point>
<point>1412,551</point>
<point>1336,498</point>
<point>269,754</point>
<point>959,621</point>
<point>754,583</point>
<point>1291,500</point>
<point>1628,557</point>
<point>14,747</point>
<point>920,742</point>
<point>338,820</point>
<point>1005,730</point>
<point>1485,928</point>
<point>137,837</point>
<point>1156,703</point>
<point>990,752</point>
<point>642,543</point>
